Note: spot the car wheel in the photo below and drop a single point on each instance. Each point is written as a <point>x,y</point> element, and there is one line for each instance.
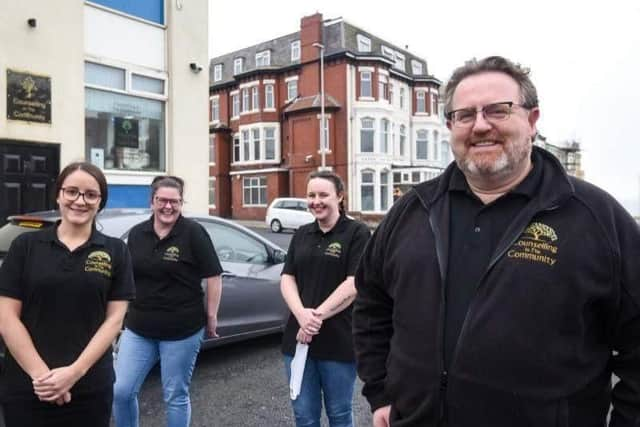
<point>276,227</point>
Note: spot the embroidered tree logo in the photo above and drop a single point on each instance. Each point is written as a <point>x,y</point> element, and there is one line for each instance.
<point>29,86</point>
<point>540,231</point>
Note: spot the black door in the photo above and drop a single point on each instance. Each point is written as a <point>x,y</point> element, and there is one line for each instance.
<point>27,176</point>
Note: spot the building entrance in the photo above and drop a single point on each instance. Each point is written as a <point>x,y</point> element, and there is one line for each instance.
<point>27,176</point>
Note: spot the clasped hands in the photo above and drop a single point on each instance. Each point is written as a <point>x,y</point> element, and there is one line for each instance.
<point>310,321</point>
<point>53,386</point>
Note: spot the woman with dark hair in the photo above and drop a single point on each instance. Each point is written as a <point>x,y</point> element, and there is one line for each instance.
<point>171,255</point>
<point>64,292</point>
<point>317,285</point>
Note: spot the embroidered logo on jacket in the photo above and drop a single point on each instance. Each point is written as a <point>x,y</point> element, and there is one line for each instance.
<point>334,249</point>
<point>98,262</point>
<point>536,245</point>
<point>171,254</point>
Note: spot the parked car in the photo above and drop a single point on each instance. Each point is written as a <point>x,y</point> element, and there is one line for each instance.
<point>251,302</point>
<point>287,213</point>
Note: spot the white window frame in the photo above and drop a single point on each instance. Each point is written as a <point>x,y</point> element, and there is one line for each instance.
<point>254,183</point>
<point>212,150</point>
<point>217,72</point>
<point>238,64</point>
<point>295,50</point>
<point>214,105</point>
<point>371,129</point>
<point>399,61</point>
<point>421,95</point>
<point>266,142</point>
<point>402,142</point>
<point>436,151</point>
<point>246,101</point>
<point>236,142</point>
<point>369,82</point>
<point>401,98</point>
<point>388,52</point>
<point>384,136</point>
<point>416,67</point>
<point>269,97</point>
<point>263,59</point>
<point>372,185</point>
<point>255,99</point>
<point>212,192</point>
<point>235,105</point>
<point>426,142</point>
<point>384,185</point>
<point>290,86</point>
<point>364,43</point>
<point>247,147</point>
<point>434,103</point>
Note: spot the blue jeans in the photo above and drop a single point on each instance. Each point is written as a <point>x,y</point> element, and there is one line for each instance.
<point>136,356</point>
<point>328,379</point>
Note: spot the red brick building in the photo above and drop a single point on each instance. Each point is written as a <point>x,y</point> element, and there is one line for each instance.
<point>384,130</point>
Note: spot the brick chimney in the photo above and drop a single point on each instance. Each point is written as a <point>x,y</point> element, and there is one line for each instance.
<point>310,33</point>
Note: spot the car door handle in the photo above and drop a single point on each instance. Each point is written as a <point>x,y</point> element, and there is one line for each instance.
<point>228,274</point>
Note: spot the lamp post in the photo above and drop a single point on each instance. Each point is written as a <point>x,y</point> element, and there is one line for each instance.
<point>323,134</point>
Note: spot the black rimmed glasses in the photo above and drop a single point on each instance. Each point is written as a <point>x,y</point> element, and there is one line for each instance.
<point>496,112</point>
<point>72,194</point>
<point>162,202</point>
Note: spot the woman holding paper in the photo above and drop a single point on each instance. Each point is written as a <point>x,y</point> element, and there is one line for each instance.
<point>317,285</point>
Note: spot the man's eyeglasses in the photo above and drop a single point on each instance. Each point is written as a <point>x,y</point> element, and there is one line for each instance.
<point>162,202</point>
<point>72,194</point>
<point>496,112</point>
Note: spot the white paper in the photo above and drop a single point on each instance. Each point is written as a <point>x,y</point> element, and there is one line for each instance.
<point>297,369</point>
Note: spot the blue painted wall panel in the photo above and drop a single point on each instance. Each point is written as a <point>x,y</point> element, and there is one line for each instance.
<point>151,10</point>
<point>129,196</point>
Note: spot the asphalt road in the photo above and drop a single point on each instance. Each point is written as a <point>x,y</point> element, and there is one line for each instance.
<point>241,385</point>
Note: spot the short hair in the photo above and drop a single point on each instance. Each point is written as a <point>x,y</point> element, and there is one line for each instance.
<point>167,181</point>
<point>92,170</point>
<point>498,64</point>
<point>335,179</point>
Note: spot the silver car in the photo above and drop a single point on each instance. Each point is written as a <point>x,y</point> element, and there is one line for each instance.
<point>251,303</point>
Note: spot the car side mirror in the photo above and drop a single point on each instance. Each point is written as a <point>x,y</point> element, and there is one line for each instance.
<point>279,257</point>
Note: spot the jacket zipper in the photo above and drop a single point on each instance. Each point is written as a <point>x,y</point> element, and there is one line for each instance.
<point>443,371</point>
<point>494,260</point>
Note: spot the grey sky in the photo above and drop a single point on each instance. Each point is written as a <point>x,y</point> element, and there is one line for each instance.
<point>584,58</point>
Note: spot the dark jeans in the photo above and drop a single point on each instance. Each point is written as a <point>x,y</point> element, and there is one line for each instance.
<point>86,410</point>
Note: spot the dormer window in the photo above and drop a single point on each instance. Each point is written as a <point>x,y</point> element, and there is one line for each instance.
<point>388,52</point>
<point>364,43</point>
<point>237,66</point>
<point>416,67</point>
<point>399,61</point>
<point>263,58</point>
<point>295,50</point>
<point>217,72</point>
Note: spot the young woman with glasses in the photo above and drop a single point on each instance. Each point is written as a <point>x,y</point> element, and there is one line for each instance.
<point>171,255</point>
<point>63,295</point>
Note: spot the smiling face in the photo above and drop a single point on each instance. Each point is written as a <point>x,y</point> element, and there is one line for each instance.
<point>323,200</point>
<point>166,205</point>
<point>492,151</point>
<point>78,212</point>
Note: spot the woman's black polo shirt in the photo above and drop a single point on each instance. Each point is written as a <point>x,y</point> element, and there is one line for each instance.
<point>169,301</point>
<point>320,262</point>
<point>64,298</point>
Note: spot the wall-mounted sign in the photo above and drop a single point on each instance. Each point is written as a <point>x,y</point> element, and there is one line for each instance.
<point>126,132</point>
<point>28,97</point>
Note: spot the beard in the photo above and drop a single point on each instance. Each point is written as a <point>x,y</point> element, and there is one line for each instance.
<point>511,157</point>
